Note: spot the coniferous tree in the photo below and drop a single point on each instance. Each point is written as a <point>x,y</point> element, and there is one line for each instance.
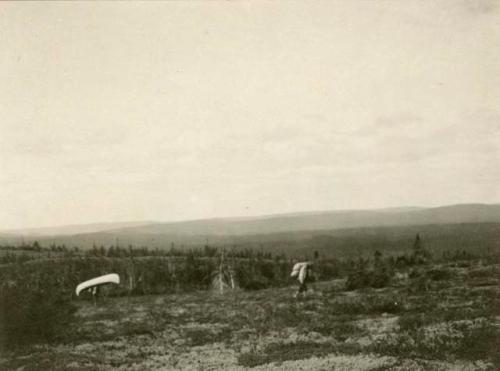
<point>420,254</point>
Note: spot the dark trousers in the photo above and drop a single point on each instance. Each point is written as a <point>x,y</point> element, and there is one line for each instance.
<point>302,287</point>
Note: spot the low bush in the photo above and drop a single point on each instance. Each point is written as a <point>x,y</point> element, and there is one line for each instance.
<point>440,274</point>
<point>481,342</point>
<point>357,280</point>
<point>368,304</point>
<point>412,321</point>
<point>256,284</point>
<point>340,330</point>
<point>471,341</point>
<point>281,352</point>
<point>29,315</point>
<point>202,336</point>
<point>483,272</point>
<point>376,278</point>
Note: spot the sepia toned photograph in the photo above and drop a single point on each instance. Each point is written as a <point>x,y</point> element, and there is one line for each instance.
<point>250,185</point>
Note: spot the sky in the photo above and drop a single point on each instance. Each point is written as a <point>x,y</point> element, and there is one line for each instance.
<point>185,110</point>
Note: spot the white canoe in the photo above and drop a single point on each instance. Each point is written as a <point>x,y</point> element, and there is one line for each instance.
<point>303,273</point>
<point>297,268</point>
<point>108,278</point>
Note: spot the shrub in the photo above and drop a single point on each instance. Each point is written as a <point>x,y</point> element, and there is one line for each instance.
<point>484,272</point>
<point>387,305</point>
<point>412,321</point>
<point>419,281</point>
<point>440,274</point>
<point>281,352</point>
<point>378,278</point>
<point>256,284</point>
<point>202,336</point>
<point>29,315</point>
<point>252,359</point>
<point>367,304</point>
<point>357,280</point>
<point>479,341</point>
<point>340,330</point>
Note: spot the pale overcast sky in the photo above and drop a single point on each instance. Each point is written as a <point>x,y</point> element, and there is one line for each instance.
<point>179,110</point>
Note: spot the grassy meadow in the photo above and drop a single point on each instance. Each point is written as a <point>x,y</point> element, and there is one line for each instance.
<point>435,316</point>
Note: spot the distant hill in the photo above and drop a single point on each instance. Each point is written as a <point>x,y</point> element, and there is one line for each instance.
<point>67,230</point>
<point>275,230</point>
<point>470,213</point>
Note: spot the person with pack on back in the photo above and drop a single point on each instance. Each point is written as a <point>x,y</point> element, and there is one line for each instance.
<point>303,272</point>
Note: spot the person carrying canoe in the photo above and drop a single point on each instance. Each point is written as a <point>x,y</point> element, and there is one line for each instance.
<point>303,272</point>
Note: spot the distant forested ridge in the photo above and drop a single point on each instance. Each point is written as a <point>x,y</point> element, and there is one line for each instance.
<point>473,227</point>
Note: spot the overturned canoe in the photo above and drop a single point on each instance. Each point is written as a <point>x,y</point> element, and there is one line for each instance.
<point>298,267</point>
<point>108,278</point>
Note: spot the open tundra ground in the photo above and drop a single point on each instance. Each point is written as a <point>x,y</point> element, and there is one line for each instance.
<point>445,318</point>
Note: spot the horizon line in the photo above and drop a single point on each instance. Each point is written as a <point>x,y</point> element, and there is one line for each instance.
<point>272,215</point>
